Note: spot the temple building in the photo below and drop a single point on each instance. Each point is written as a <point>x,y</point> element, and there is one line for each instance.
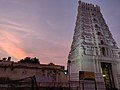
<point>93,51</point>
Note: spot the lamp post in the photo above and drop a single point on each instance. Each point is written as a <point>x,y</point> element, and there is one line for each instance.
<point>69,72</point>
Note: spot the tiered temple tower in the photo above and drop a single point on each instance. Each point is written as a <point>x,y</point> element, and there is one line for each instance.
<point>93,49</point>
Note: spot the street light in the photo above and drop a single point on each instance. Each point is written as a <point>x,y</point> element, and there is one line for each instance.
<point>69,72</point>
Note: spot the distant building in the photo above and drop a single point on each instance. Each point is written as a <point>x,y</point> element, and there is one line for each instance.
<point>93,50</point>
<point>47,75</point>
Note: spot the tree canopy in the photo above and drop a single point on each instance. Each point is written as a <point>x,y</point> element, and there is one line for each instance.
<point>29,60</point>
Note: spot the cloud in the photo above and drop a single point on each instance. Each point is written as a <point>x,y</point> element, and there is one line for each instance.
<point>20,38</point>
<point>51,24</point>
<point>13,50</point>
<point>11,45</point>
<point>7,36</point>
<point>14,38</point>
<point>12,25</point>
<point>19,29</point>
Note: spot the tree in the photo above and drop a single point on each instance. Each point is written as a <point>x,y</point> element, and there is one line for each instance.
<point>29,60</point>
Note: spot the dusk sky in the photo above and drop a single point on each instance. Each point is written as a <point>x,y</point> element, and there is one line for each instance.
<point>44,28</point>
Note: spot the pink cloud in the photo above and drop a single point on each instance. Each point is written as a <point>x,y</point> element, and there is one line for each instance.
<point>11,44</point>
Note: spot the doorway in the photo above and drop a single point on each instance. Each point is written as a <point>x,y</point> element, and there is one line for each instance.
<point>108,75</point>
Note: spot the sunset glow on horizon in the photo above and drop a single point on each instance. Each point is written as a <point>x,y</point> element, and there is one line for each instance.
<point>44,28</point>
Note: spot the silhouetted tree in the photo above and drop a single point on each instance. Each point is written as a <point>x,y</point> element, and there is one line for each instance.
<point>29,60</point>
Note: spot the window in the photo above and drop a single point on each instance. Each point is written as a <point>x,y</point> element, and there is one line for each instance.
<point>103,51</point>
<point>96,26</point>
<point>94,20</point>
<point>101,42</point>
<point>98,33</point>
<point>93,14</point>
<point>119,54</point>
